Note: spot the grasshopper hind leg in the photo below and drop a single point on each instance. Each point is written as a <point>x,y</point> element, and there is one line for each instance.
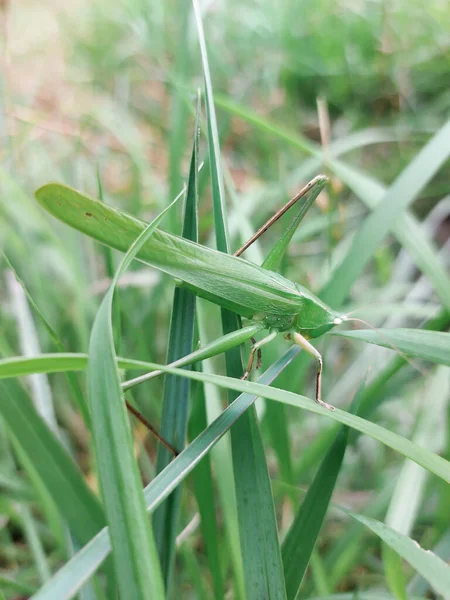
<point>309,348</point>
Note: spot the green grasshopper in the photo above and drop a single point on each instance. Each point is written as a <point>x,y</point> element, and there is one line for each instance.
<point>269,301</point>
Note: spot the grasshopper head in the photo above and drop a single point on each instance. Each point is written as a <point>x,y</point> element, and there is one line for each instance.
<point>315,318</point>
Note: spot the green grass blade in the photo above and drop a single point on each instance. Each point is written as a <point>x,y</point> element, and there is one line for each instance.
<point>51,462</point>
<point>135,557</point>
<point>67,581</point>
<point>263,573</point>
<point>176,389</point>
<point>399,196</point>
<point>301,538</point>
<point>430,345</point>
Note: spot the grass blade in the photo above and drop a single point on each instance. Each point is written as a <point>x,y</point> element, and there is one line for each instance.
<point>430,566</point>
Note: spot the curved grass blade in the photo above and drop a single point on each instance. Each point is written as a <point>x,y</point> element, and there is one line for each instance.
<point>176,389</point>
<point>68,580</point>
<point>430,566</point>
<point>135,557</point>
<point>430,461</point>
<point>430,345</point>
<point>17,366</point>
<point>301,538</point>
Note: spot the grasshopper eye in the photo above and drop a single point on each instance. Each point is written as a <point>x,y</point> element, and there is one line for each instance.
<point>338,321</point>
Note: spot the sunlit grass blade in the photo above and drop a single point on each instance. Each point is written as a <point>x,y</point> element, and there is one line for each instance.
<point>135,557</point>
<point>67,581</point>
<point>302,536</point>
<point>430,345</point>
<point>176,389</point>
<point>261,557</point>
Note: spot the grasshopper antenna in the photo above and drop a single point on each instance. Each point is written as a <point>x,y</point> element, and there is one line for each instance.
<point>384,337</point>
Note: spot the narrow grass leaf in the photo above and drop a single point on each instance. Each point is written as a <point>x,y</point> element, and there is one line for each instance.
<point>204,494</point>
<point>430,345</point>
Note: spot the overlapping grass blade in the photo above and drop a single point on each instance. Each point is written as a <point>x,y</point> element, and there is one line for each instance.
<point>263,573</point>
<point>73,574</point>
<point>430,345</point>
<point>176,389</point>
<point>135,557</point>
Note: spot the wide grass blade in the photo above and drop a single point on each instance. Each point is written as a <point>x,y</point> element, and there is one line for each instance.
<point>430,345</point>
<point>73,574</point>
<point>176,389</point>
<point>301,538</point>
<point>135,557</point>
<point>261,558</point>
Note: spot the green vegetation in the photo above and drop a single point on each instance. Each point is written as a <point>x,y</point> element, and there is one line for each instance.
<point>273,496</point>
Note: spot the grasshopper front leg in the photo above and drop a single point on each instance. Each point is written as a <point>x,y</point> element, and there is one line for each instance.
<point>309,348</point>
<point>256,348</point>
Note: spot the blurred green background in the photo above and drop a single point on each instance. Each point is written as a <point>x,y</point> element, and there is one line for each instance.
<point>106,91</point>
